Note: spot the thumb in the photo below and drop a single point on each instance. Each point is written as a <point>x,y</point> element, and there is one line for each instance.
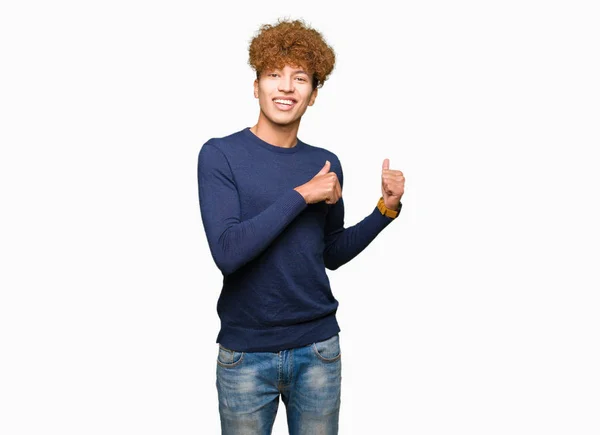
<point>325,168</point>
<point>386,164</point>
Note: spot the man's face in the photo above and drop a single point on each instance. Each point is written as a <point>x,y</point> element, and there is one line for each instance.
<point>291,84</point>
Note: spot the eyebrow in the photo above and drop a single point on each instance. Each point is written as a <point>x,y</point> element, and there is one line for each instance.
<point>298,71</point>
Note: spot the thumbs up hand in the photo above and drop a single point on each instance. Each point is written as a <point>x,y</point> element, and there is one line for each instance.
<point>392,185</point>
<point>323,186</point>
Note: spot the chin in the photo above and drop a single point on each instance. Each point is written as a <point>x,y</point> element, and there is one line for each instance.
<point>282,120</point>
<point>283,123</point>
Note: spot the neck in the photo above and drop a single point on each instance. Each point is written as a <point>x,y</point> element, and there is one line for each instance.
<point>284,136</point>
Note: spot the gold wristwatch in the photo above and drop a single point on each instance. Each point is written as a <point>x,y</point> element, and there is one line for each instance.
<point>387,211</point>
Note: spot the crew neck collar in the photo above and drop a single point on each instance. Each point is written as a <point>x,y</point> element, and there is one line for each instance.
<point>274,148</point>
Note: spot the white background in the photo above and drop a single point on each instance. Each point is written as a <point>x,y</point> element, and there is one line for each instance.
<point>475,313</point>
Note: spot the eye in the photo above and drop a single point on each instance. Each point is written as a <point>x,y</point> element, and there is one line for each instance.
<point>301,78</point>
<point>273,74</point>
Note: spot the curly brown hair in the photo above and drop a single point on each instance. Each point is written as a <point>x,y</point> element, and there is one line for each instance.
<point>291,43</point>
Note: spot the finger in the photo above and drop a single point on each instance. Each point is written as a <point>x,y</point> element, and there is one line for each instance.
<point>325,169</point>
<point>391,171</point>
<point>386,164</point>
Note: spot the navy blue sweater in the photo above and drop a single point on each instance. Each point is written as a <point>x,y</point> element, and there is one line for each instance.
<point>270,245</point>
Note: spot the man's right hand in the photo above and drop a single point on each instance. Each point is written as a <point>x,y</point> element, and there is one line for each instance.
<point>323,186</point>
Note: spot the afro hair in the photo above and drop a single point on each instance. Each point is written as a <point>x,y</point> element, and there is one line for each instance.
<point>291,43</point>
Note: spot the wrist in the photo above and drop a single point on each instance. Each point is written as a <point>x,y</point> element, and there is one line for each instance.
<point>301,191</point>
<point>387,211</point>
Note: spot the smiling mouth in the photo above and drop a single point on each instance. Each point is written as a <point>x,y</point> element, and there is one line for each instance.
<point>288,105</point>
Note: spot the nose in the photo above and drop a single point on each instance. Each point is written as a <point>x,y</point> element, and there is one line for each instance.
<point>285,84</point>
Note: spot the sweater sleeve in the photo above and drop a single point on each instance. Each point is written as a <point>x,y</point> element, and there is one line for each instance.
<point>234,242</point>
<point>343,244</point>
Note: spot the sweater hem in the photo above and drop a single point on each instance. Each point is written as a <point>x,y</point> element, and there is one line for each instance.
<point>280,338</point>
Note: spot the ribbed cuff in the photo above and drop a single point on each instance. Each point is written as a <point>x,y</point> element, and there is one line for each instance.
<point>381,219</point>
<point>293,202</point>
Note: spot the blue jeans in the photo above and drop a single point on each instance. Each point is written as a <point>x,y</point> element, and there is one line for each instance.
<point>308,378</point>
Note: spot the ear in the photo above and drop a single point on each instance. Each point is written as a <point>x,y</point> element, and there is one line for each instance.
<point>313,96</point>
<point>256,88</point>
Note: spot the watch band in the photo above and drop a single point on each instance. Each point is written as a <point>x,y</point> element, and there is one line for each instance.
<point>386,211</point>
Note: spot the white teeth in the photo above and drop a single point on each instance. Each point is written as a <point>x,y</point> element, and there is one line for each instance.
<point>288,102</point>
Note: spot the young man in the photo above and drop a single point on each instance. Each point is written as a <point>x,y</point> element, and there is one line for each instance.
<point>273,213</point>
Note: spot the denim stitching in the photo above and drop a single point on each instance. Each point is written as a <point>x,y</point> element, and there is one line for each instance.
<point>323,358</point>
<point>230,364</point>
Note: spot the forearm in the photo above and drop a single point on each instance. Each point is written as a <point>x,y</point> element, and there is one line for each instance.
<point>346,243</point>
<point>237,242</point>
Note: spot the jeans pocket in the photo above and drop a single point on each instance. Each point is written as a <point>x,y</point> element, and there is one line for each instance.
<point>328,350</point>
<point>228,357</point>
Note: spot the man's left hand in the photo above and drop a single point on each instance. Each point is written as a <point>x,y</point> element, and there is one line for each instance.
<point>392,186</point>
